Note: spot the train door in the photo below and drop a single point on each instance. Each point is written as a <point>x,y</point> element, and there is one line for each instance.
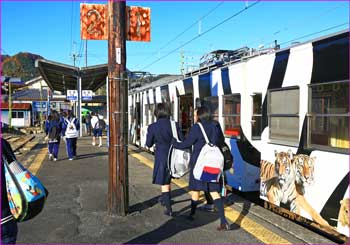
<point>138,120</point>
<point>185,112</point>
<point>256,116</point>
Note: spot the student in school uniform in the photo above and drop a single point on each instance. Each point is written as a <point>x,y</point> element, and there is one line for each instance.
<point>70,128</point>
<point>160,135</point>
<point>196,139</point>
<point>53,131</point>
<point>96,129</point>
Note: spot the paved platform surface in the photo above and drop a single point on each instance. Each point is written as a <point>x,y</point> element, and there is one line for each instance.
<point>76,209</point>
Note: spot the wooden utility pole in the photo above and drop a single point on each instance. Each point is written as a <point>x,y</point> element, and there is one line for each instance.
<point>118,199</point>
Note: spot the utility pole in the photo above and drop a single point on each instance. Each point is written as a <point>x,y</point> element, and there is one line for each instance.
<point>10,104</point>
<point>182,56</point>
<point>118,189</point>
<point>86,53</point>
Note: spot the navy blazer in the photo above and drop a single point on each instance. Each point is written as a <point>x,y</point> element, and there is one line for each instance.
<point>196,139</point>
<point>50,124</point>
<point>160,135</point>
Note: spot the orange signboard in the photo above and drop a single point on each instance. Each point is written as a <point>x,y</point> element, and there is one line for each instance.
<point>93,21</point>
<point>138,24</point>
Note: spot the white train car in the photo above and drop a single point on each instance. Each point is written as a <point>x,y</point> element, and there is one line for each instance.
<point>287,110</point>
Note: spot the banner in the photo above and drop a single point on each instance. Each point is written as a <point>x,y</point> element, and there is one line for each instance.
<point>138,24</point>
<point>93,21</point>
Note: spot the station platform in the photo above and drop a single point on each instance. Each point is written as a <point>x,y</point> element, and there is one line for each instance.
<point>76,208</point>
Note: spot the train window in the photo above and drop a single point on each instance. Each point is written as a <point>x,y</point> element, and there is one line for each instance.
<point>131,113</point>
<point>213,104</point>
<point>232,114</point>
<point>172,105</point>
<point>256,117</point>
<point>328,116</point>
<point>146,114</point>
<point>151,111</point>
<point>283,114</point>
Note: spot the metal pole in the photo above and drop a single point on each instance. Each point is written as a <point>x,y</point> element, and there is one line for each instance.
<point>10,106</point>
<point>107,100</point>
<point>42,124</point>
<point>86,53</point>
<point>118,190</point>
<point>79,107</point>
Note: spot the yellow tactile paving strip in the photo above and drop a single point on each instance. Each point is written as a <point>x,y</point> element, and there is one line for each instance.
<point>37,162</point>
<point>263,234</point>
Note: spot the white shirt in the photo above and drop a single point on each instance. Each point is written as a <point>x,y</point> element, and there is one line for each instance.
<point>94,121</point>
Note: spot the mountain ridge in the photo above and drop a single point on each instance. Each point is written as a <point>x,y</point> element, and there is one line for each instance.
<point>20,65</point>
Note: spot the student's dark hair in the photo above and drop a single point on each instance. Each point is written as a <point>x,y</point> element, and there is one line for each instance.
<point>55,116</point>
<point>71,114</point>
<point>203,113</point>
<point>162,111</point>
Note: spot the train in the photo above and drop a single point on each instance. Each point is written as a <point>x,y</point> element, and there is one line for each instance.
<point>285,115</point>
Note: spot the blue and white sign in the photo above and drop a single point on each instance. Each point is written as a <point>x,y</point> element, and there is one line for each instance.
<point>39,105</point>
<point>86,94</point>
<point>72,95</point>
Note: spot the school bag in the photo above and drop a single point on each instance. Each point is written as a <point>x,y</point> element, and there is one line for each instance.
<point>54,133</point>
<point>178,160</point>
<point>228,158</point>
<point>101,124</point>
<point>25,193</point>
<point>210,162</point>
<point>71,130</point>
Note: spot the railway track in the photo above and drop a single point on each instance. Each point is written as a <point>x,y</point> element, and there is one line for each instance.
<point>23,144</point>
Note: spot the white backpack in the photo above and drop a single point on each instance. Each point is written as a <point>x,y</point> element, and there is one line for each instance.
<point>210,162</point>
<point>71,131</point>
<point>178,160</point>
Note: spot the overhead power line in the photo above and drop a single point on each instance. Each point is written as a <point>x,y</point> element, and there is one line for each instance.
<point>71,29</point>
<point>294,24</point>
<point>184,31</point>
<point>314,33</point>
<point>201,18</point>
<point>200,35</point>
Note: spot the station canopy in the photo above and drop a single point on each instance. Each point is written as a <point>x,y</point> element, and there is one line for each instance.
<point>62,77</point>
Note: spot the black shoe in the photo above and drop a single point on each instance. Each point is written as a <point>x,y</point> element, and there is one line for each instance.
<point>168,212</point>
<point>223,227</point>
<point>207,208</point>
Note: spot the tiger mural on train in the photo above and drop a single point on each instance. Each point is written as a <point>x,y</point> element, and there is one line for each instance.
<point>279,179</point>
<point>343,217</point>
<point>285,182</point>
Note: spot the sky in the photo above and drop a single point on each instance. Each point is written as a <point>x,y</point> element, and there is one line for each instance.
<point>52,29</point>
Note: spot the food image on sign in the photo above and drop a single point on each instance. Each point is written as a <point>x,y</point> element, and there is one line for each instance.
<point>93,21</point>
<point>139,24</point>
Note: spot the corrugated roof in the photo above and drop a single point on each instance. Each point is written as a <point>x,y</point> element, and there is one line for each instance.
<point>156,83</point>
<point>16,106</point>
<point>30,95</point>
<point>62,77</point>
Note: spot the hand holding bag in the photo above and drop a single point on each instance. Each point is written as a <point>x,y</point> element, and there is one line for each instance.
<point>26,194</point>
<point>178,160</point>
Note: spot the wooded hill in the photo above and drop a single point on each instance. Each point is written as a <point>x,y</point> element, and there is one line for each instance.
<point>20,65</point>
